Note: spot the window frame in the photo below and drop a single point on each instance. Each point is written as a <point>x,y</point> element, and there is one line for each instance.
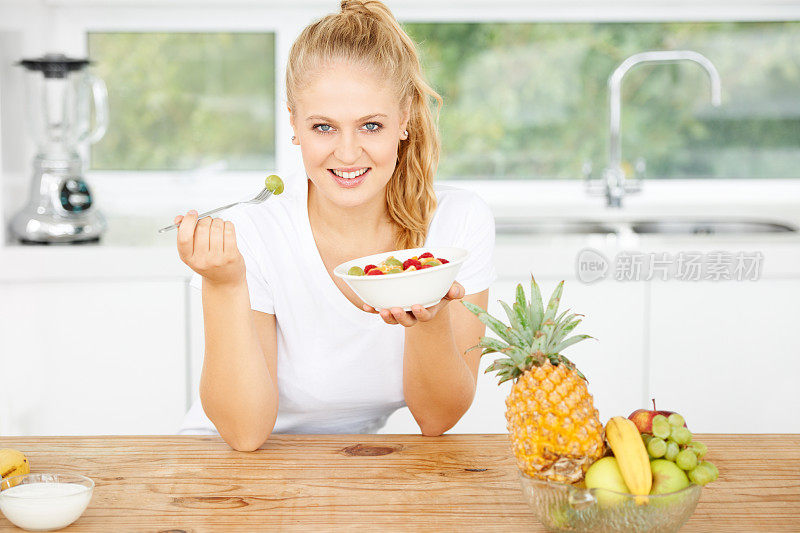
<point>70,21</point>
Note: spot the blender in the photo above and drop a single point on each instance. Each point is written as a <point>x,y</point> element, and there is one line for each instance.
<point>60,209</point>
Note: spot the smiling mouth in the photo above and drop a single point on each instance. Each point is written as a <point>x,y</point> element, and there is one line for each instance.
<point>348,175</point>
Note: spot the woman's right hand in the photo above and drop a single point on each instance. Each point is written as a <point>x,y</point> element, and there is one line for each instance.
<point>209,248</point>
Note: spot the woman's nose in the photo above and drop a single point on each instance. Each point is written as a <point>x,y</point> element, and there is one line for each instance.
<point>348,149</point>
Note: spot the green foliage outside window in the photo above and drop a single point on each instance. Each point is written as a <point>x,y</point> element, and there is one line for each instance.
<point>530,100</point>
<point>522,100</point>
<point>182,101</point>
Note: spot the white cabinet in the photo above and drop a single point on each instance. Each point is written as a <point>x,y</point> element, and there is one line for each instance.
<point>92,357</point>
<point>726,354</point>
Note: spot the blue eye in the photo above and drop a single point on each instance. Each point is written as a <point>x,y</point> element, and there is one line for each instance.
<point>317,126</point>
<point>377,125</point>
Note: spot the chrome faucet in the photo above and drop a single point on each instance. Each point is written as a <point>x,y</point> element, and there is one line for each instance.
<point>614,183</point>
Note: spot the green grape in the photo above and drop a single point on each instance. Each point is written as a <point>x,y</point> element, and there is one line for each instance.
<point>355,271</point>
<point>686,459</point>
<point>646,438</point>
<point>274,184</point>
<point>701,475</point>
<point>672,451</point>
<point>676,420</point>
<point>699,448</point>
<point>392,261</point>
<point>711,467</point>
<point>656,448</point>
<point>661,427</point>
<point>680,435</point>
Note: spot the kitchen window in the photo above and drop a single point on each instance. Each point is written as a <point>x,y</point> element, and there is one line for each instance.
<point>530,100</point>
<point>546,62</point>
<point>182,101</point>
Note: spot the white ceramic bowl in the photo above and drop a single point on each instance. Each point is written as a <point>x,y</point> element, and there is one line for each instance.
<point>44,502</point>
<point>424,287</point>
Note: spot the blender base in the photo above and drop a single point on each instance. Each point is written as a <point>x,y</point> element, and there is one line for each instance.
<point>27,242</point>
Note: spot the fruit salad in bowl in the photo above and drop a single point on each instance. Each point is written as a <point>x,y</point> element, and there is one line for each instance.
<point>402,278</point>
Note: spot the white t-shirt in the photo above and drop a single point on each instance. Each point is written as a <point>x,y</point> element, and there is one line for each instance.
<point>340,369</point>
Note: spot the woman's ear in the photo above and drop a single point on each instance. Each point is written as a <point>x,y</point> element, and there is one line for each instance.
<point>404,121</point>
<point>295,140</point>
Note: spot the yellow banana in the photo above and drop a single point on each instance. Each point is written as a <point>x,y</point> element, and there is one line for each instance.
<point>13,463</point>
<point>626,443</point>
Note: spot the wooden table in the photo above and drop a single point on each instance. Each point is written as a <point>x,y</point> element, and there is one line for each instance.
<point>372,482</point>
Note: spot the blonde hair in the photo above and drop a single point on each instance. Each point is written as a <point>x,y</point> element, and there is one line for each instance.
<point>366,33</point>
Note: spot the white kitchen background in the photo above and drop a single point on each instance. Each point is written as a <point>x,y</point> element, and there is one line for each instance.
<point>107,339</point>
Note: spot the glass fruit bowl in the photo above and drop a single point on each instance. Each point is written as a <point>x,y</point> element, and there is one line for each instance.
<point>562,507</point>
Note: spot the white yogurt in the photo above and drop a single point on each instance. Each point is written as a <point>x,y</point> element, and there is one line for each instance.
<point>44,506</point>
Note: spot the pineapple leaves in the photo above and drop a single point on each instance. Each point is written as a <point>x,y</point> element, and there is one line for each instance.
<point>491,345</point>
<point>521,308</point>
<point>535,310</point>
<point>570,341</point>
<point>552,305</point>
<point>536,335</point>
<point>504,332</point>
<point>517,329</point>
<point>512,316</point>
<point>490,321</point>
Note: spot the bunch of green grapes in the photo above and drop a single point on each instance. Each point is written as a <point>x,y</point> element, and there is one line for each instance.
<point>671,440</point>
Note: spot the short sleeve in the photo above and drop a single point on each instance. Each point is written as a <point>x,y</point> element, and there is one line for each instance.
<point>478,271</point>
<point>258,287</point>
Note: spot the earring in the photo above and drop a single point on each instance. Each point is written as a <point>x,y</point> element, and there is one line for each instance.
<point>293,137</point>
<point>405,132</point>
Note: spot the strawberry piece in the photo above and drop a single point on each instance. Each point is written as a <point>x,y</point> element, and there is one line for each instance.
<point>375,272</point>
<point>368,268</point>
<point>411,262</point>
<point>443,261</point>
<point>426,254</point>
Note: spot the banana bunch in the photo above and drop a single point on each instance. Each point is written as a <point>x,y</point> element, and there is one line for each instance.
<point>634,463</point>
<point>13,463</point>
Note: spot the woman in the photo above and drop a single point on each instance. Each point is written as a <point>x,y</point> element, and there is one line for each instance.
<point>288,346</point>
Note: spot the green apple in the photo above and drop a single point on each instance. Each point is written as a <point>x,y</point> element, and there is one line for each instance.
<point>605,474</point>
<point>667,477</point>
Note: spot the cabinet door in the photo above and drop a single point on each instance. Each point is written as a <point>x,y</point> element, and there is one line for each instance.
<point>92,357</point>
<point>726,354</point>
<point>613,363</point>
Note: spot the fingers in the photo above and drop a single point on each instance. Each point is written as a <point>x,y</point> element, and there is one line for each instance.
<point>387,316</point>
<point>422,314</point>
<point>229,246</point>
<point>202,237</point>
<point>217,233</point>
<point>186,234</point>
<point>402,317</point>
<point>456,291</point>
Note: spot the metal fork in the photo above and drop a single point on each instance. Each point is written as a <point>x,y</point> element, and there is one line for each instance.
<point>260,197</point>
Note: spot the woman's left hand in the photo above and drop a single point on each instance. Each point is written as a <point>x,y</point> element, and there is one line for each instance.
<point>396,315</point>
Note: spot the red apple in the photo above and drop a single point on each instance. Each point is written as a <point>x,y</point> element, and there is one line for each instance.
<point>643,418</point>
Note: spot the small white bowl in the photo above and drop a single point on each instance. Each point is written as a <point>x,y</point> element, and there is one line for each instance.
<point>424,287</point>
<point>45,502</point>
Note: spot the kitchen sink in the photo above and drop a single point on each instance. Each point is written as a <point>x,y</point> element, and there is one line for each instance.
<point>551,227</point>
<point>644,227</point>
<point>710,227</point>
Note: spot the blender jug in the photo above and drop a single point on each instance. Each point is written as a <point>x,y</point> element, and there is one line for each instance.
<point>61,95</point>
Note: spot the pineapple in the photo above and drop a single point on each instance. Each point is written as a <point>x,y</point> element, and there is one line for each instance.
<point>554,428</point>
